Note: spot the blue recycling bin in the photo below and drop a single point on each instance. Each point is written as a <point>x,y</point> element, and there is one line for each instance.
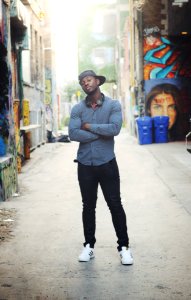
<point>145,130</point>
<point>161,129</point>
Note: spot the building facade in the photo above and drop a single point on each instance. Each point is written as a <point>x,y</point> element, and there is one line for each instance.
<point>27,52</point>
<point>157,64</point>
<point>23,87</point>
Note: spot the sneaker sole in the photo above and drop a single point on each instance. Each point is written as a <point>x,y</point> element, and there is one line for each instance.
<point>82,260</point>
<point>127,264</point>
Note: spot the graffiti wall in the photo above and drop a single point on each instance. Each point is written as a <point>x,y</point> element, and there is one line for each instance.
<point>16,109</point>
<point>8,178</point>
<point>8,170</point>
<point>4,98</point>
<point>167,79</point>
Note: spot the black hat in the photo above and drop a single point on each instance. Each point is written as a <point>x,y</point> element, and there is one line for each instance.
<point>102,79</point>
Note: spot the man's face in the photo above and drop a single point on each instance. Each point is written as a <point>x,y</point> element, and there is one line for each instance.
<point>89,84</point>
<point>164,105</point>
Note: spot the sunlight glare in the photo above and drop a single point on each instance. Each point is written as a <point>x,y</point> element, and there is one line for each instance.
<point>66,16</point>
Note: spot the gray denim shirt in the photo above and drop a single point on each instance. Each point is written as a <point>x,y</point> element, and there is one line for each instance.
<point>96,145</point>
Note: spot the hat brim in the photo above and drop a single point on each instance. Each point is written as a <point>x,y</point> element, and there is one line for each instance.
<point>102,79</point>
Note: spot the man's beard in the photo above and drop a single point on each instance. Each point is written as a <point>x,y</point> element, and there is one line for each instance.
<point>90,93</point>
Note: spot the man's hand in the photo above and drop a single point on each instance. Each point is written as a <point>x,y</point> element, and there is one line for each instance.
<point>85,126</point>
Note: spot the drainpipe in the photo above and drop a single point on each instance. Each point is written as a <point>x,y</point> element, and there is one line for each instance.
<point>141,95</point>
<point>20,79</point>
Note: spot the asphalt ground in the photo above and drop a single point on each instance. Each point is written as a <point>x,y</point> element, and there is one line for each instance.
<point>40,259</point>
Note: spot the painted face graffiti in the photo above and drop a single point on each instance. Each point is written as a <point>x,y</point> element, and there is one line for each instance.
<point>164,105</point>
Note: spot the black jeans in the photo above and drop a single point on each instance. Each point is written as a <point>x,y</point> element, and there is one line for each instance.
<point>107,175</point>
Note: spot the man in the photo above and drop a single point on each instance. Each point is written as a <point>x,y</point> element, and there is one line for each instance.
<point>93,123</point>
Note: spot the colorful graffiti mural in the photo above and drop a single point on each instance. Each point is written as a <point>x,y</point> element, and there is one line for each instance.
<point>166,57</point>
<point>8,168</point>
<point>167,79</point>
<point>4,91</point>
<point>17,133</point>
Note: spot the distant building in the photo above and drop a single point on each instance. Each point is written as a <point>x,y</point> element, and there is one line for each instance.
<point>27,51</point>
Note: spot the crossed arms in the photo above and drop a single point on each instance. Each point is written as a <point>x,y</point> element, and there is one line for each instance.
<point>88,132</point>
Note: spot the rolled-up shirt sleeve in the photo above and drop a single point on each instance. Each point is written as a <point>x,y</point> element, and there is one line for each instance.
<point>114,125</point>
<point>75,131</point>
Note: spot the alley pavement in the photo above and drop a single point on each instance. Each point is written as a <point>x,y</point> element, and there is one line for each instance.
<point>40,259</point>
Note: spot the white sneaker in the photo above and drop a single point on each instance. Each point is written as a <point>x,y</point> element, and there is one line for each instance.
<point>87,253</point>
<point>126,256</point>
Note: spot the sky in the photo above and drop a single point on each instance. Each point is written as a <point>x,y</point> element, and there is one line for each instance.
<point>66,15</point>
